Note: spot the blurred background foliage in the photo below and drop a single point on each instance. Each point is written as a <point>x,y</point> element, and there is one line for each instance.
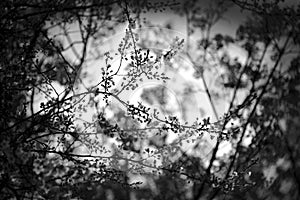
<point>49,149</point>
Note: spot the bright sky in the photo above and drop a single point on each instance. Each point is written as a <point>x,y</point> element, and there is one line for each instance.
<point>198,104</point>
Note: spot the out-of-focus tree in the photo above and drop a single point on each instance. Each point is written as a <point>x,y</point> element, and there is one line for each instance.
<point>32,64</point>
<point>84,139</point>
<point>267,166</point>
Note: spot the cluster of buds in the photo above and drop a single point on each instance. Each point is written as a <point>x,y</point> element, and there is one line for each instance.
<point>173,124</point>
<point>107,81</point>
<point>141,112</point>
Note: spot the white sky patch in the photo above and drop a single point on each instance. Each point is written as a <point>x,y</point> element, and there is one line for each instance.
<point>235,51</point>
<point>225,148</point>
<point>282,124</point>
<point>249,134</point>
<point>270,173</point>
<point>283,163</point>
